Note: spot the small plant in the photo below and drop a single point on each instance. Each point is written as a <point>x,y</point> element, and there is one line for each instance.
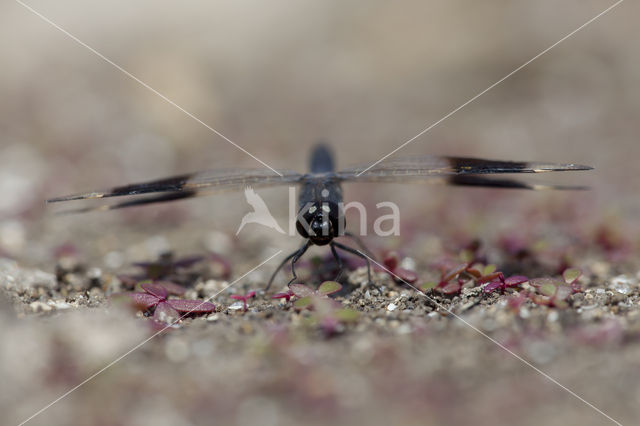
<point>285,295</point>
<point>501,283</point>
<point>156,298</point>
<point>306,294</point>
<point>453,279</point>
<point>327,314</point>
<point>244,298</point>
<point>392,262</point>
<point>554,292</point>
<point>571,277</point>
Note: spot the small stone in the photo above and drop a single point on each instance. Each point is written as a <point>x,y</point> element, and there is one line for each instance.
<point>621,284</point>
<point>59,304</point>
<point>39,307</point>
<point>392,307</point>
<point>236,306</point>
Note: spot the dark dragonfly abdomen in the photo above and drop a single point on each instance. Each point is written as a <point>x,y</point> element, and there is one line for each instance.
<point>321,160</point>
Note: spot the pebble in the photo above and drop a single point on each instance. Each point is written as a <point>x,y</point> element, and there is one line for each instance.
<point>392,307</point>
<point>236,306</point>
<point>39,307</point>
<point>621,284</point>
<point>59,304</point>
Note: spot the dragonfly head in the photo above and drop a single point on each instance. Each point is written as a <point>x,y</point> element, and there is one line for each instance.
<point>320,222</point>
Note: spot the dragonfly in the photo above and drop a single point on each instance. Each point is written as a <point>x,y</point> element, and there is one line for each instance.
<point>320,220</point>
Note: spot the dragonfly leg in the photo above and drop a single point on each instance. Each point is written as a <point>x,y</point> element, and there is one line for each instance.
<point>363,256</point>
<point>284,262</point>
<point>338,260</point>
<point>296,257</point>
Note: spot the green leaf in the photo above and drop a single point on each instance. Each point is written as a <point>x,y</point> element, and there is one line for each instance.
<point>548,289</point>
<point>428,286</point>
<point>571,275</point>
<point>346,315</point>
<point>329,287</point>
<point>303,303</point>
<point>489,269</point>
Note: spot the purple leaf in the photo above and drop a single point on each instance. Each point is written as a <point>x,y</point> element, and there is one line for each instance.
<point>286,295</point>
<point>301,290</point>
<point>515,280</point>
<point>191,306</point>
<point>186,262</point>
<point>172,288</point>
<point>451,287</point>
<point>144,300</point>
<point>406,275</point>
<point>493,285</point>
<point>454,272</point>
<point>165,313</point>
<point>155,289</point>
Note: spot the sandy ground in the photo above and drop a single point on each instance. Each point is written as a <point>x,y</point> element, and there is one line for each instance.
<point>275,79</point>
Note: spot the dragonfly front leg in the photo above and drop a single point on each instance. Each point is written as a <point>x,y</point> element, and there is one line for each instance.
<point>297,255</point>
<point>284,262</point>
<point>363,256</point>
<point>338,260</point>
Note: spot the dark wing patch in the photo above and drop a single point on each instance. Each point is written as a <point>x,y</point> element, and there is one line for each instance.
<point>417,168</point>
<point>486,182</point>
<point>212,181</point>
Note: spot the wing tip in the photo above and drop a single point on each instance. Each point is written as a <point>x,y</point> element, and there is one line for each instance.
<point>539,168</point>
<point>540,187</point>
<point>74,197</point>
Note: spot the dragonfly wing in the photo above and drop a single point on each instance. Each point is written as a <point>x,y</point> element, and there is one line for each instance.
<point>488,182</point>
<point>210,181</point>
<point>144,200</point>
<point>417,168</point>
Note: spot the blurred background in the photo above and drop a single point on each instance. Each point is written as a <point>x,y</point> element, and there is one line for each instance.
<point>275,77</point>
